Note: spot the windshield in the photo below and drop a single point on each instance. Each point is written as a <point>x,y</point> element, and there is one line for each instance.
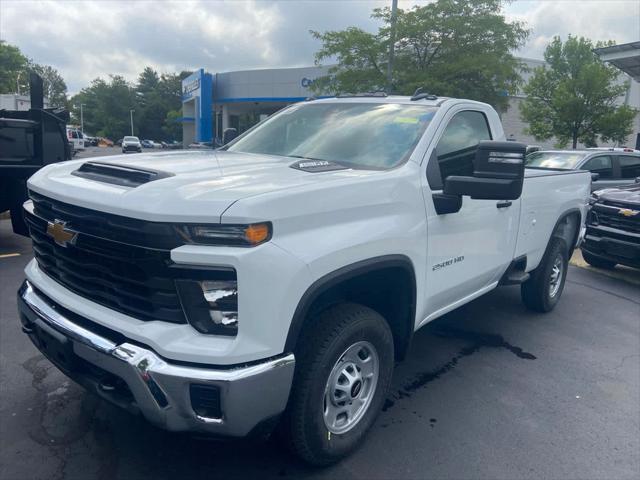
<point>561,160</point>
<point>358,135</point>
<point>131,139</point>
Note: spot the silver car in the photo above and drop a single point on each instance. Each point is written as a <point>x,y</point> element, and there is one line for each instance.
<point>612,167</point>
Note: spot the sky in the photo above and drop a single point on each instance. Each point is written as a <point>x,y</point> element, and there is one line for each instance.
<point>88,39</point>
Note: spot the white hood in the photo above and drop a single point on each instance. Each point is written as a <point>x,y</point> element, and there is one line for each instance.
<point>202,185</point>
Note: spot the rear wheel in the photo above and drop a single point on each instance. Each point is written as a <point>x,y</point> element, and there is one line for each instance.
<point>543,289</point>
<point>597,261</point>
<point>343,372</point>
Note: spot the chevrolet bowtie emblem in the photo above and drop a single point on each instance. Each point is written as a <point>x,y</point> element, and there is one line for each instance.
<point>60,234</point>
<point>627,212</point>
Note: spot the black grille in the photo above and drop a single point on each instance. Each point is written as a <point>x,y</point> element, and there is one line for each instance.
<point>610,217</point>
<point>133,231</point>
<point>131,279</point>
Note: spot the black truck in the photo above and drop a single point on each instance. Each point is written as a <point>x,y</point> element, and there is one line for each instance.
<point>29,140</point>
<point>613,227</point>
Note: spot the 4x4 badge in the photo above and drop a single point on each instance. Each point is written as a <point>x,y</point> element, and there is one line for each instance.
<point>627,212</point>
<point>60,234</point>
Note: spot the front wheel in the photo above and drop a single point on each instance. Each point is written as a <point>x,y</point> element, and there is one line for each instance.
<point>343,373</point>
<point>543,289</point>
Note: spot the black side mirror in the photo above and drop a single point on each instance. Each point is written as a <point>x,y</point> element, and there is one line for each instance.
<point>228,135</point>
<point>498,173</point>
<point>595,176</point>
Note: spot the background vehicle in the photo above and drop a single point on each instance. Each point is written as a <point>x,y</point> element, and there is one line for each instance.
<point>613,228</point>
<point>201,145</point>
<point>171,144</point>
<point>279,278</point>
<point>119,142</point>
<point>75,137</point>
<point>131,144</point>
<point>146,143</point>
<point>28,141</point>
<point>615,167</point>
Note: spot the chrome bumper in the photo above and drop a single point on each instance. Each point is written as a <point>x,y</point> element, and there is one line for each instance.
<point>156,388</point>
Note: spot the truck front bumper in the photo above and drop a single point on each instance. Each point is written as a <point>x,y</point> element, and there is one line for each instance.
<point>229,401</point>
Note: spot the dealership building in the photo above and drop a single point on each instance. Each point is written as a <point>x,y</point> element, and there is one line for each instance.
<point>212,102</point>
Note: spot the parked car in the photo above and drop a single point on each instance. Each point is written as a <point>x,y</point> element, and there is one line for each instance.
<point>146,143</point>
<point>201,145</point>
<point>613,227</point>
<point>614,167</point>
<point>75,137</point>
<point>105,142</point>
<point>282,281</point>
<point>119,142</point>
<point>171,144</point>
<point>131,144</point>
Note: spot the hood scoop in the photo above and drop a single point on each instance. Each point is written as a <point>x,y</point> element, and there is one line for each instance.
<point>309,165</point>
<point>118,174</point>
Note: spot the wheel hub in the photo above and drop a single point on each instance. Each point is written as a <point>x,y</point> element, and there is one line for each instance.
<point>350,387</point>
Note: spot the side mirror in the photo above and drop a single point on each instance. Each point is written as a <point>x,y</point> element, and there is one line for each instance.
<point>498,173</point>
<point>595,176</point>
<point>228,135</point>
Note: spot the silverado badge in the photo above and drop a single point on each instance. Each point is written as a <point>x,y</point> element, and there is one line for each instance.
<point>60,234</point>
<point>627,212</point>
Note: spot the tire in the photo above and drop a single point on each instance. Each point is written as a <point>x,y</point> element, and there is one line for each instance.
<point>325,351</point>
<point>541,293</point>
<point>597,261</point>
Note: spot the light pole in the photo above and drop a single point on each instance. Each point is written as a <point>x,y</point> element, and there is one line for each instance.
<point>81,119</point>
<point>131,113</point>
<point>392,41</point>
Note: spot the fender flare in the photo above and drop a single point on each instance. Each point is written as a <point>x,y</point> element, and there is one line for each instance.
<point>562,217</point>
<point>345,273</point>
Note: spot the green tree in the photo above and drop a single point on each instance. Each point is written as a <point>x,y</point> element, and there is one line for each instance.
<point>106,106</point>
<point>12,65</point>
<point>575,98</point>
<point>54,86</point>
<point>450,47</point>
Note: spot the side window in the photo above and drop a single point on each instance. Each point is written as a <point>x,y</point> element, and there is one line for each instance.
<point>457,146</point>
<point>629,166</point>
<point>601,165</point>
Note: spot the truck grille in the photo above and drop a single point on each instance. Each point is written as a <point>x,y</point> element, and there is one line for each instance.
<point>132,279</point>
<point>609,217</point>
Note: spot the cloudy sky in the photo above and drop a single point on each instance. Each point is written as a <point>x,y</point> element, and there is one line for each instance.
<point>84,40</point>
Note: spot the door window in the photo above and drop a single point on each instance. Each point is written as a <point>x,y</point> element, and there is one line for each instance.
<point>601,165</point>
<point>629,166</point>
<point>457,146</point>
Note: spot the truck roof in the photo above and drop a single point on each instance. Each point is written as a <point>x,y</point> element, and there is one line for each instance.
<point>373,98</point>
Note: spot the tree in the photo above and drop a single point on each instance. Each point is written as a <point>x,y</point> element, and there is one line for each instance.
<point>574,98</point>
<point>449,47</point>
<point>13,66</point>
<point>54,86</point>
<point>106,107</point>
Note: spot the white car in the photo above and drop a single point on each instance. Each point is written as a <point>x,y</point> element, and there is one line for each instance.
<point>75,137</point>
<point>131,144</point>
<point>279,278</point>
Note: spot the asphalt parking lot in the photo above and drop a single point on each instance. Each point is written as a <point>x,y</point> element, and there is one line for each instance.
<point>490,391</point>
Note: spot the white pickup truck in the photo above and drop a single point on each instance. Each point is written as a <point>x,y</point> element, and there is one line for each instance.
<point>274,281</point>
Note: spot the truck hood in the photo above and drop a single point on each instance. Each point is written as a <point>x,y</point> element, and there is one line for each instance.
<point>198,186</point>
<point>627,195</point>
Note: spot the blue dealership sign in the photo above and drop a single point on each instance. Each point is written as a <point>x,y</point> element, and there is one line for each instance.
<point>198,87</point>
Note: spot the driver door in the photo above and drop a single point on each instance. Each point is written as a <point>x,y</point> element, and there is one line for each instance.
<point>470,249</point>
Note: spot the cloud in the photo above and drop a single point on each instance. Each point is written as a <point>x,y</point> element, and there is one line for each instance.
<point>85,40</point>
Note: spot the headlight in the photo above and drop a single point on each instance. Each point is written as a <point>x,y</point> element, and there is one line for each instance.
<point>211,306</point>
<point>228,235</point>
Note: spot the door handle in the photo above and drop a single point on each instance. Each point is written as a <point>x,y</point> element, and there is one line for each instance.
<point>503,204</point>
